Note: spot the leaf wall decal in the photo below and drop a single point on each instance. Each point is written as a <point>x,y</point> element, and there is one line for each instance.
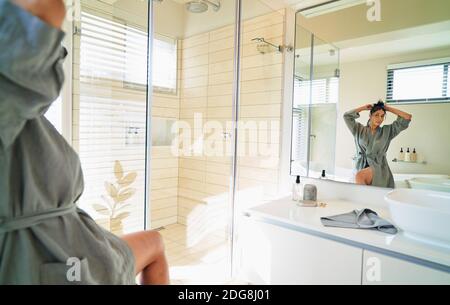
<point>118,170</point>
<point>101,209</point>
<point>111,190</point>
<point>128,179</point>
<point>122,216</point>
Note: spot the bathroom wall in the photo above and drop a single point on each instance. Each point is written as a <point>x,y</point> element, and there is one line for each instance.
<point>364,82</point>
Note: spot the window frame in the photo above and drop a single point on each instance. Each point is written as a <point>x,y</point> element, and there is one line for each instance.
<point>445,98</point>
<point>66,97</point>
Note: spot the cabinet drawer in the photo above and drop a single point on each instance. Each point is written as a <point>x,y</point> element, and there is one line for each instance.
<point>276,255</point>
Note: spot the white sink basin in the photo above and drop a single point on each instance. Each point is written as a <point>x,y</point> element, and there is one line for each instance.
<point>422,214</point>
<point>440,185</point>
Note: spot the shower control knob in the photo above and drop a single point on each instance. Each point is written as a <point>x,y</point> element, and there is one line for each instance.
<point>227,135</point>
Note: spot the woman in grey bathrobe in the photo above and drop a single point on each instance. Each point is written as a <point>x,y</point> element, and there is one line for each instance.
<point>372,143</point>
<point>44,237</point>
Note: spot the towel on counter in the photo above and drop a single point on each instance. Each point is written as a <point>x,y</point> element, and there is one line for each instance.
<point>360,219</point>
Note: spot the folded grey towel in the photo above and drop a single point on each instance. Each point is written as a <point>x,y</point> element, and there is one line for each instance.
<point>360,219</point>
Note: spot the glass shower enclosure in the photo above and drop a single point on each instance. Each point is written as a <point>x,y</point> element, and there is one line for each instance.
<point>316,95</point>
<point>176,117</point>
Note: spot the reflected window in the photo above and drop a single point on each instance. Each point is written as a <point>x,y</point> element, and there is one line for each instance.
<point>324,91</point>
<point>54,114</point>
<point>418,84</point>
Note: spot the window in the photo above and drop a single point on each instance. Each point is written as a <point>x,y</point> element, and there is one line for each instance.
<point>164,64</point>
<point>300,140</point>
<point>116,51</point>
<point>54,114</point>
<point>419,82</point>
<point>324,91</point>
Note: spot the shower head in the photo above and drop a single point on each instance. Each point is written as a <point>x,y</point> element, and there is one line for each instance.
<point>264,46</point>
<point>197,6</point>
<point>258,39</point>
<point>201,6</point>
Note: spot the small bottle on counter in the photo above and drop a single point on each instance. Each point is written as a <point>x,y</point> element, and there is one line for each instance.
<point>407,156</point>
<point>414,156</point>
<point>297,190</point>
<point>401,156</point>
<point>324,175</point>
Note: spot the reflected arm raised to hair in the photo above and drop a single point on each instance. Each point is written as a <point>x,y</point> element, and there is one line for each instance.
<point>398,112</point>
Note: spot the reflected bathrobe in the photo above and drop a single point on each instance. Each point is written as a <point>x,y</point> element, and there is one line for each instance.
<point>371,148</point>
<point>44,237</point>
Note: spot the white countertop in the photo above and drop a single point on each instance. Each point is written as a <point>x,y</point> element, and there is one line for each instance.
<point>286,211</point>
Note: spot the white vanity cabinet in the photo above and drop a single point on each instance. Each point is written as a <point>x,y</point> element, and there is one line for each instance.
<point>278,254</point>
<point>380,269</point>
<point>275,255</point>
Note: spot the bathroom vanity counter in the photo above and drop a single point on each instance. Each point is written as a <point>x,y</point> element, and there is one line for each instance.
<point>286,214</point>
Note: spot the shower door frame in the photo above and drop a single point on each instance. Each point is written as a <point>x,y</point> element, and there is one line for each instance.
<point>235,119</point>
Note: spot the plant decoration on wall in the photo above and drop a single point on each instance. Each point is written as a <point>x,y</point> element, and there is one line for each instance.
<point>117,195</point>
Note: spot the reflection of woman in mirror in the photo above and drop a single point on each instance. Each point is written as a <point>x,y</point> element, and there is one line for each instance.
<point>372,142</point>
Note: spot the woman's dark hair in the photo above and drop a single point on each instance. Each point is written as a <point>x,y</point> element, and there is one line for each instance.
<point>376,107</point>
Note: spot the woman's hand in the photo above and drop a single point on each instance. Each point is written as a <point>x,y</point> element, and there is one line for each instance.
<point>50,11</point>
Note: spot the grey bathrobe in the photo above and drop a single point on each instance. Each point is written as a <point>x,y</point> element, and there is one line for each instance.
<point>44,237</point>
<point>372,148</point>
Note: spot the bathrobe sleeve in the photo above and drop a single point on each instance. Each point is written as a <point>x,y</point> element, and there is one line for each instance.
<point>397,127</point>
<point>350,119</point>
<point>31,73</point>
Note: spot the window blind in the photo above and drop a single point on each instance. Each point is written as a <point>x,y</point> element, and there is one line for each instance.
<point>319,91</point>
<point>116,51</point>
<point>300,135</point>
<point>418,84</point>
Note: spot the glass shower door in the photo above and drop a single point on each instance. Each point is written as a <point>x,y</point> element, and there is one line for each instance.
<point>191,123</point>
<point>316,94</point>
<point>259,114</point>
<point>323,113</point>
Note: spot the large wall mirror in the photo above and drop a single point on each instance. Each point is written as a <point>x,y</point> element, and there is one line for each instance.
<point>348,57</point>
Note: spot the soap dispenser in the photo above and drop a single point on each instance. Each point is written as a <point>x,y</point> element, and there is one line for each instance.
<point>297,190</point>
<point>401,156</point>
<point>414,156</point>
<point>408,156</point>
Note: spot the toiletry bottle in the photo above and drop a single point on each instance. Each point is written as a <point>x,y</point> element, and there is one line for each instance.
<point>323,176</point>
<point>401,156</point>
<point>414,156</point>
<point>408,156</point>
<point>297,190</point>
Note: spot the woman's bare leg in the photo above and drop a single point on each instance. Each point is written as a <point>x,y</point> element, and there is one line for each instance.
<point>151,262</point>
<point>365,176</point>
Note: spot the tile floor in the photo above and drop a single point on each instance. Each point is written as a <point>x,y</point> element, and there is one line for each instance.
<point>196,256</point>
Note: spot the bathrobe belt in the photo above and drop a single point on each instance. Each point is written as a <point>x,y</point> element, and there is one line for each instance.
<point>33,219</point>
<point>375,157</point>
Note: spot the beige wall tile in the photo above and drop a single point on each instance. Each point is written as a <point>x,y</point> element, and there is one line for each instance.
<point>195,41</point>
